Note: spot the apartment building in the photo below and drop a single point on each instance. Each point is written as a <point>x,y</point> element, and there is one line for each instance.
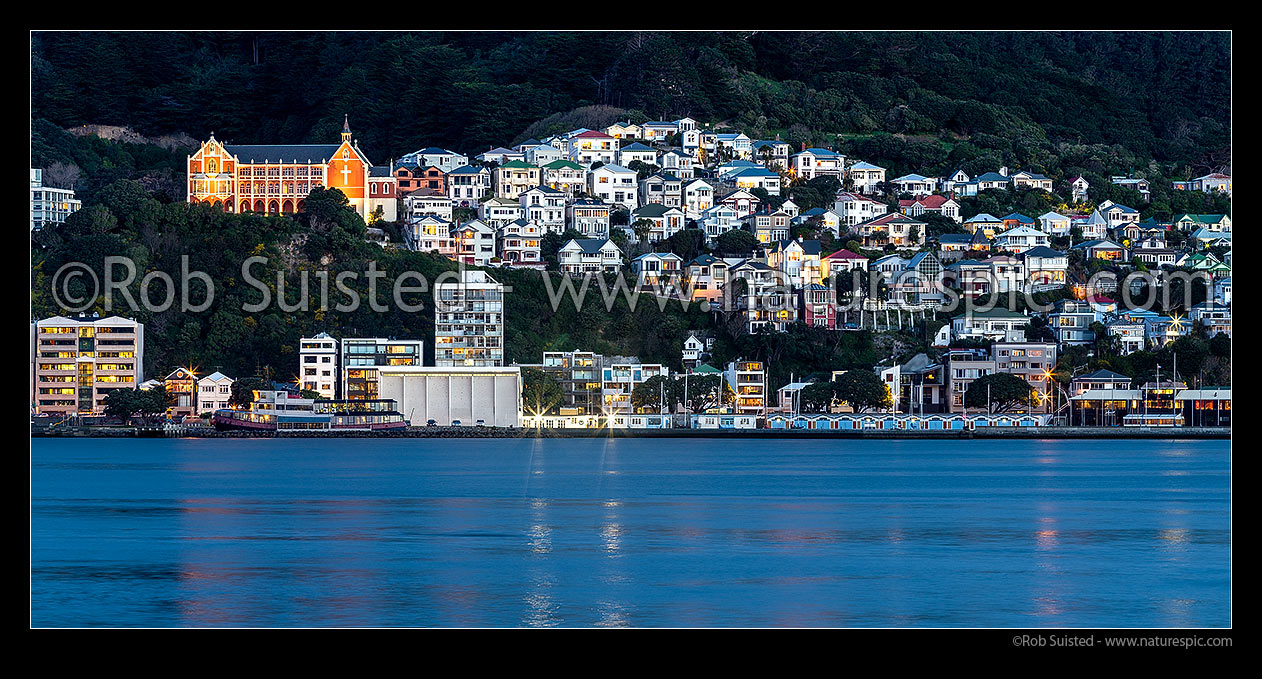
<point>1032,362</point>
<point>317,365</point>
<point>361,358</point>
<point>77,362</point>
<point>579,374</point>
<point>748,379</point>
<point>469,322</point>
<point>50,205</point>
<point>963,367</point>
<point>620,377</point>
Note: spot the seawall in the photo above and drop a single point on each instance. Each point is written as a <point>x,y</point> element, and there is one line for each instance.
<point>493,432</point>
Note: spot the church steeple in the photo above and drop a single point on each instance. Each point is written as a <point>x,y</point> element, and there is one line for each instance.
<point>346,128</point>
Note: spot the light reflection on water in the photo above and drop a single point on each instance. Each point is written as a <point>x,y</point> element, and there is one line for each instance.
<point>623,532</point>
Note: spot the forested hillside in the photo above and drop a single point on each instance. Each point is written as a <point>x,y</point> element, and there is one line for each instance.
<point>1028,99</point>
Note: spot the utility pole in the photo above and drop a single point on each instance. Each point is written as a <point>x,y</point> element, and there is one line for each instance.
<point>687,407</point>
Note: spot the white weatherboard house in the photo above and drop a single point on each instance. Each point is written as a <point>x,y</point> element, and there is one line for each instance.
<point>1054,223</point>
<point>657,267</point>
<point>865,176</point>
<point>1020,239</point>
<point>854,208</point>
<point>213,392</point>
<point>615,185</point>
<point>814,162</point>
<point>916,185</point>
<point>589,255</point>
<point>637,151</point>
<point>467,185</point>
<point>440,158</point>
<point>679,164</point>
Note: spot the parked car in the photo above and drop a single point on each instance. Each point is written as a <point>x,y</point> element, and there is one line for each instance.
<point>455,423</point>
<point>431,423</point>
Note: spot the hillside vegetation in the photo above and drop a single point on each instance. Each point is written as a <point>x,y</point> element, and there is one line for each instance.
<point>1028,98</point>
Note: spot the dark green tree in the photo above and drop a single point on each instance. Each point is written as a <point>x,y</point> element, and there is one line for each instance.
<point>655,393</point>
<point>817,397</point>
<point>243,389</point>
<point>863,390</point>
<point>540,392</point>
<point>1006,392</point>
<point>736,242</point>
<point>702,392</point>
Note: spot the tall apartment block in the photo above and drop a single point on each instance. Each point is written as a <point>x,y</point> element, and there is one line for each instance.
<point>49,205</point>
<point>469,322</point>
<point>77,362</point>
<point>361,357</point>
<point>749,380</point>
<point>963,367</point>
<point>1032,362</point>
<point>579,374</point>
<point>317,365</point>
<point>620,376</point>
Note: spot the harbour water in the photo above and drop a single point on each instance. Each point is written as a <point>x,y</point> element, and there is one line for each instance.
<point>630,532</point>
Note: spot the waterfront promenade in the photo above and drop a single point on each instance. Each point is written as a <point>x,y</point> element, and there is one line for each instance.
<point>1042,432</point>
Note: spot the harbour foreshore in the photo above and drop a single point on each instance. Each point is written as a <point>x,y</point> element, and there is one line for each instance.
<point>519,432</point>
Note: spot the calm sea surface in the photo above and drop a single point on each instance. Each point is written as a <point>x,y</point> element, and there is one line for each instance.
<point>676,532</point>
